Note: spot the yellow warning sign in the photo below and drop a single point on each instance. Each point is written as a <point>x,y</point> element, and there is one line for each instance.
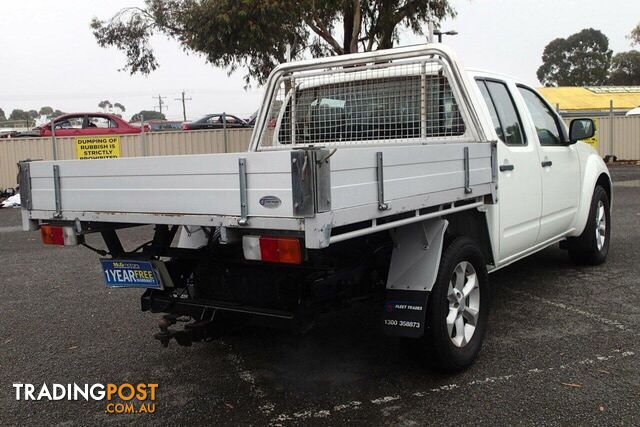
<point>97,147</point>
<point>593,141</point>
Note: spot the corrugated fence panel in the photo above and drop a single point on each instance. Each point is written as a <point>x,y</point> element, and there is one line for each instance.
<point>624,142</point>
<point>13,150</point>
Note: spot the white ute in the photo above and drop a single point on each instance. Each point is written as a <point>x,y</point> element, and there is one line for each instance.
<point>393,174</point>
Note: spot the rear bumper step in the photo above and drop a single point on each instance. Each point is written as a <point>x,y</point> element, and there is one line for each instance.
<point>158,302</point>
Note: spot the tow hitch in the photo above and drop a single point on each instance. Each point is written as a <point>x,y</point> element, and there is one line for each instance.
<point>202,330</point>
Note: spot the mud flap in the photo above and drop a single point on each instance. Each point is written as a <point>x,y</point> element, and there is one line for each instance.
<point>404,313</point>
<point>415,260</point>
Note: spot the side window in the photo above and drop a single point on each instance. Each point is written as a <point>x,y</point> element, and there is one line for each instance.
<point>512,133</point>
<point>543,118</point>
<point>74,122</point>
<point>100,122</point>
<point>492,109</point>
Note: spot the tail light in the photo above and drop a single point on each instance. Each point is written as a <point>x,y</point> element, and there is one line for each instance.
<point>52,235</point>
<point>185,126</point>
<point>272,249</point>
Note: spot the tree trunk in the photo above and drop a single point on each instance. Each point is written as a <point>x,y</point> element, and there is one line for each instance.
<point>351,25</point>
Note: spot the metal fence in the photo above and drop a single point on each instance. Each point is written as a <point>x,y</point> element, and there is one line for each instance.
<point>617,136</point>
<point>13,150</point>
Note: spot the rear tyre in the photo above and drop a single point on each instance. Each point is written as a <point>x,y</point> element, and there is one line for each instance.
<point>592,246</point>
<point>458,307</point>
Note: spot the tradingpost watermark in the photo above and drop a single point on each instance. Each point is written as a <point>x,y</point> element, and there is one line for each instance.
<point>125,398</point>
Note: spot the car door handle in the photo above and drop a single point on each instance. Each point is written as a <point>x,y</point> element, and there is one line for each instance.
<point>546,163</point>
<point>505,168</point>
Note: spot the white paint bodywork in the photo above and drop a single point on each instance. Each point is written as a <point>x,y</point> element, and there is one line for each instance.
<point>533,209</point>
<point>537,206</point>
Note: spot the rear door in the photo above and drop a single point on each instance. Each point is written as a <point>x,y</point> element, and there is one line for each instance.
<point>520,188</point>
<point>99,125</point>
<point>559,165</point>
<point>70,125</point>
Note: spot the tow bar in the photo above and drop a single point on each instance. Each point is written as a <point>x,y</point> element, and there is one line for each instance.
<point>202,330</point>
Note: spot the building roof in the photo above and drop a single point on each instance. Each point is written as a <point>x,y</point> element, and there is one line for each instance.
<point>592,98</point>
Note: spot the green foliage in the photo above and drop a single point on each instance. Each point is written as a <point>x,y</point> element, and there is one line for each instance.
<point>255,33</point>
<point>105,105</point>
<point>625,69</point>
<point>582,59</point>
<point>108,107</point>
<point>635,35</point>
<point>56,113</point>
<point>148,115</point>
<point>2,116</point>
<point>46,111</point>
<point>18,114</point>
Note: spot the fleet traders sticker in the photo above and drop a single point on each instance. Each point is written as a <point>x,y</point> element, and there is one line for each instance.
<point>98,147</point>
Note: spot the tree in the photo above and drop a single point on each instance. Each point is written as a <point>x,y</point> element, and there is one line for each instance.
<point>2,116</point>
<point>56,113</point>
<point>255,34</point>
<point>46,111</point>
<point>147,115</point>
<point>582,59</point>
<point>119,107</point>
<point>635,35</point>
<point>105,105</point>
<point>625,69</point>
<point>18,114</point>
<point>33,114</point>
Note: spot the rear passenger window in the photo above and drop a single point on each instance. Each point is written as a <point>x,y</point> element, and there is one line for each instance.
<point>100,122</point>
<point>503,112</point>
<point>492,109</point>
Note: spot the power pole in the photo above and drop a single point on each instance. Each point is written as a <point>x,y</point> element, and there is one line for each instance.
<point>160,102</point>
<point>184,108</point>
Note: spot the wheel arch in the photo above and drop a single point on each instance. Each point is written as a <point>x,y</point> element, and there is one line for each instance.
<point>471,223</point>
<point>595,173</point>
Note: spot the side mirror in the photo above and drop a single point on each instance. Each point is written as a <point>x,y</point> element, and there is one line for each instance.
<point>581,129</point>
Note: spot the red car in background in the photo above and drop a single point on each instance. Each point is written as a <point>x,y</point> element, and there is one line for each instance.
<point>79,124</point>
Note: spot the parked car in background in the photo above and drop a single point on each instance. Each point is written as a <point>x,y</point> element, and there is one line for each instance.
<point>9,134</point>
<point>215,121</point>
<point>271,123</point>
<point>634,112</point>
<point>251,121</point>
<point>79,124</point>
<point>164,125</point>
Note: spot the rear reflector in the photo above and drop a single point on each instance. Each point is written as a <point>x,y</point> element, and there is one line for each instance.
<point>272,249</point>
<point>58,235</point>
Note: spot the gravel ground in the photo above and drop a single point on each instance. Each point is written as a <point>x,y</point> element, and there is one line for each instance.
<point>562,348</point>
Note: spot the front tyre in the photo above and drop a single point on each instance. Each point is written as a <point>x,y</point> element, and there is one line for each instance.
<point>592,246</point>
<point>458,307</point>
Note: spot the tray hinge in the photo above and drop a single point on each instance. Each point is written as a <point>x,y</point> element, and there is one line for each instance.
<point>244,208</point>
<point>467,187</point>
<point>382,205</point>
<point>56,190</point>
